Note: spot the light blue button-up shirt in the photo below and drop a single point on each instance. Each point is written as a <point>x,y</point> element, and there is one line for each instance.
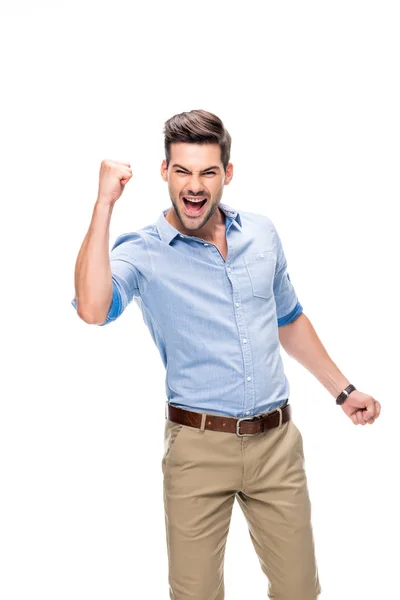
<point>214,321</point>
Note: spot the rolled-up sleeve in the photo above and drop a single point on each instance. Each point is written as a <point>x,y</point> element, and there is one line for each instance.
<point>125,275</point>
<point>288,307</point>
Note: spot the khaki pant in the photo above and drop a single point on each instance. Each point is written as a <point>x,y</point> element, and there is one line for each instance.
<point>203,474</point>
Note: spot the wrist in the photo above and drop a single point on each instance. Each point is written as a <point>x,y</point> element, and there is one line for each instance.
<point>104,204</point>
<point>345,393</point>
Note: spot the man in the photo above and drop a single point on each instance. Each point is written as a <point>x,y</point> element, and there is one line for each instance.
<point>213,286</point>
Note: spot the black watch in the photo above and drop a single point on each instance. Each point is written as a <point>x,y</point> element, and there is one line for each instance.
<point>343,395</point>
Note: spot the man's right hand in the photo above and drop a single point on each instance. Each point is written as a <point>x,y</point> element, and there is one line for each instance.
<point>112,180</point>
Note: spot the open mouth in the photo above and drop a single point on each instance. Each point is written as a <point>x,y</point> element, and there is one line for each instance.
<point>194,206</point>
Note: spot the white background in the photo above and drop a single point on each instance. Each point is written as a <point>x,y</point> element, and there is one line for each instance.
<point>310,94</point>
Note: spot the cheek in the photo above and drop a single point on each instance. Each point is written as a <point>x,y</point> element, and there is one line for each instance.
<point>174,188</point>
<point>217,188</point>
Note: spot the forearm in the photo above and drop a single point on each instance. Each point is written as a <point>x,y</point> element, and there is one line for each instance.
<point>300,340</point>
<point>93,281</point>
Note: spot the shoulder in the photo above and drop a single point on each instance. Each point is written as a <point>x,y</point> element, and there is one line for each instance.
<point>259,224</point>
<point>255,218</point>
<point>130,240</point>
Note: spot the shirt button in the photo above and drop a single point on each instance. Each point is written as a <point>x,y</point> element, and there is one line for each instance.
<point>181,235</point>
<point>262,254</point>
<point>249,378</point>
<point>237,303</point>
<point>244,341</point>
<point>229,269</point>
<point>205,244</point>
<point>247,412</point>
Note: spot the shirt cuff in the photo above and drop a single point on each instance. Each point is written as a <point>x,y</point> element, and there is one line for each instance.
<point>298,309</point>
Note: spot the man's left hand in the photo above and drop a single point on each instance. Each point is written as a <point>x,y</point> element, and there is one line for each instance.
<point>361,408</point>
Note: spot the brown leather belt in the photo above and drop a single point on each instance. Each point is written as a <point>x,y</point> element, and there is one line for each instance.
<point>242,427</point>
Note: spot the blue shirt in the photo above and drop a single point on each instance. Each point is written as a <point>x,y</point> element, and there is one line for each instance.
<point>215,322</point>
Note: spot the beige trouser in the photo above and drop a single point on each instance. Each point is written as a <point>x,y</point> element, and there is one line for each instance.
<point>203,474</point>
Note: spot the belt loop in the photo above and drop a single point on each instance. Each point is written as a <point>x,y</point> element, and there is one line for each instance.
<point>280,417</point>
<point>203,423</point>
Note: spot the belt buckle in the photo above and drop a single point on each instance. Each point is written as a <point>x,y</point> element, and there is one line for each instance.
<point>245,419</point>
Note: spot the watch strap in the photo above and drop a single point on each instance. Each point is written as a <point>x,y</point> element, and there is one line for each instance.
<point>343,395</point>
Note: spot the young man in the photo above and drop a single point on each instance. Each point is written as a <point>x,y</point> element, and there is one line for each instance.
<point>215,292</point>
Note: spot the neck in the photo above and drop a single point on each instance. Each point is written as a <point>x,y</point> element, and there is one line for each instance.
<point>211,231</point>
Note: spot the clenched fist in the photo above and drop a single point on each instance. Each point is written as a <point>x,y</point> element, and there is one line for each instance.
<point>361,408</point>
<point>112,180</point>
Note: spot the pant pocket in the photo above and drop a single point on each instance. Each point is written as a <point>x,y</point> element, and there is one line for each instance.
<point>298,439</point>
<point>171,433</point>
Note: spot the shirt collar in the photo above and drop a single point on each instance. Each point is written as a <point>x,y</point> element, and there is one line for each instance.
<point>168,232</point>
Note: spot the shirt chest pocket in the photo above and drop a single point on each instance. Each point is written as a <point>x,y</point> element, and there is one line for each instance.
<point>260,268</point>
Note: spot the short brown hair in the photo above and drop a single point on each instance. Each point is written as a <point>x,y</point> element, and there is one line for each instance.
<point>197,127</point>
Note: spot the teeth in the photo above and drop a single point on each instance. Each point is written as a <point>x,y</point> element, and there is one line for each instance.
<point>194,200</point>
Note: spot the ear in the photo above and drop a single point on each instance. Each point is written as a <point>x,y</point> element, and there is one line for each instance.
<point>228,173</point>
<point>164,170</point>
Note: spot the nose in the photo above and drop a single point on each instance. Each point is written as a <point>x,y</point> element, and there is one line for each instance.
<point>195,187</point>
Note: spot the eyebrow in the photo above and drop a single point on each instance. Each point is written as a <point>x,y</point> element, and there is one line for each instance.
<point>203,171</point>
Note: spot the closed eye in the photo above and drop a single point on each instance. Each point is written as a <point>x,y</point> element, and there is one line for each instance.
<point>184,172</point>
